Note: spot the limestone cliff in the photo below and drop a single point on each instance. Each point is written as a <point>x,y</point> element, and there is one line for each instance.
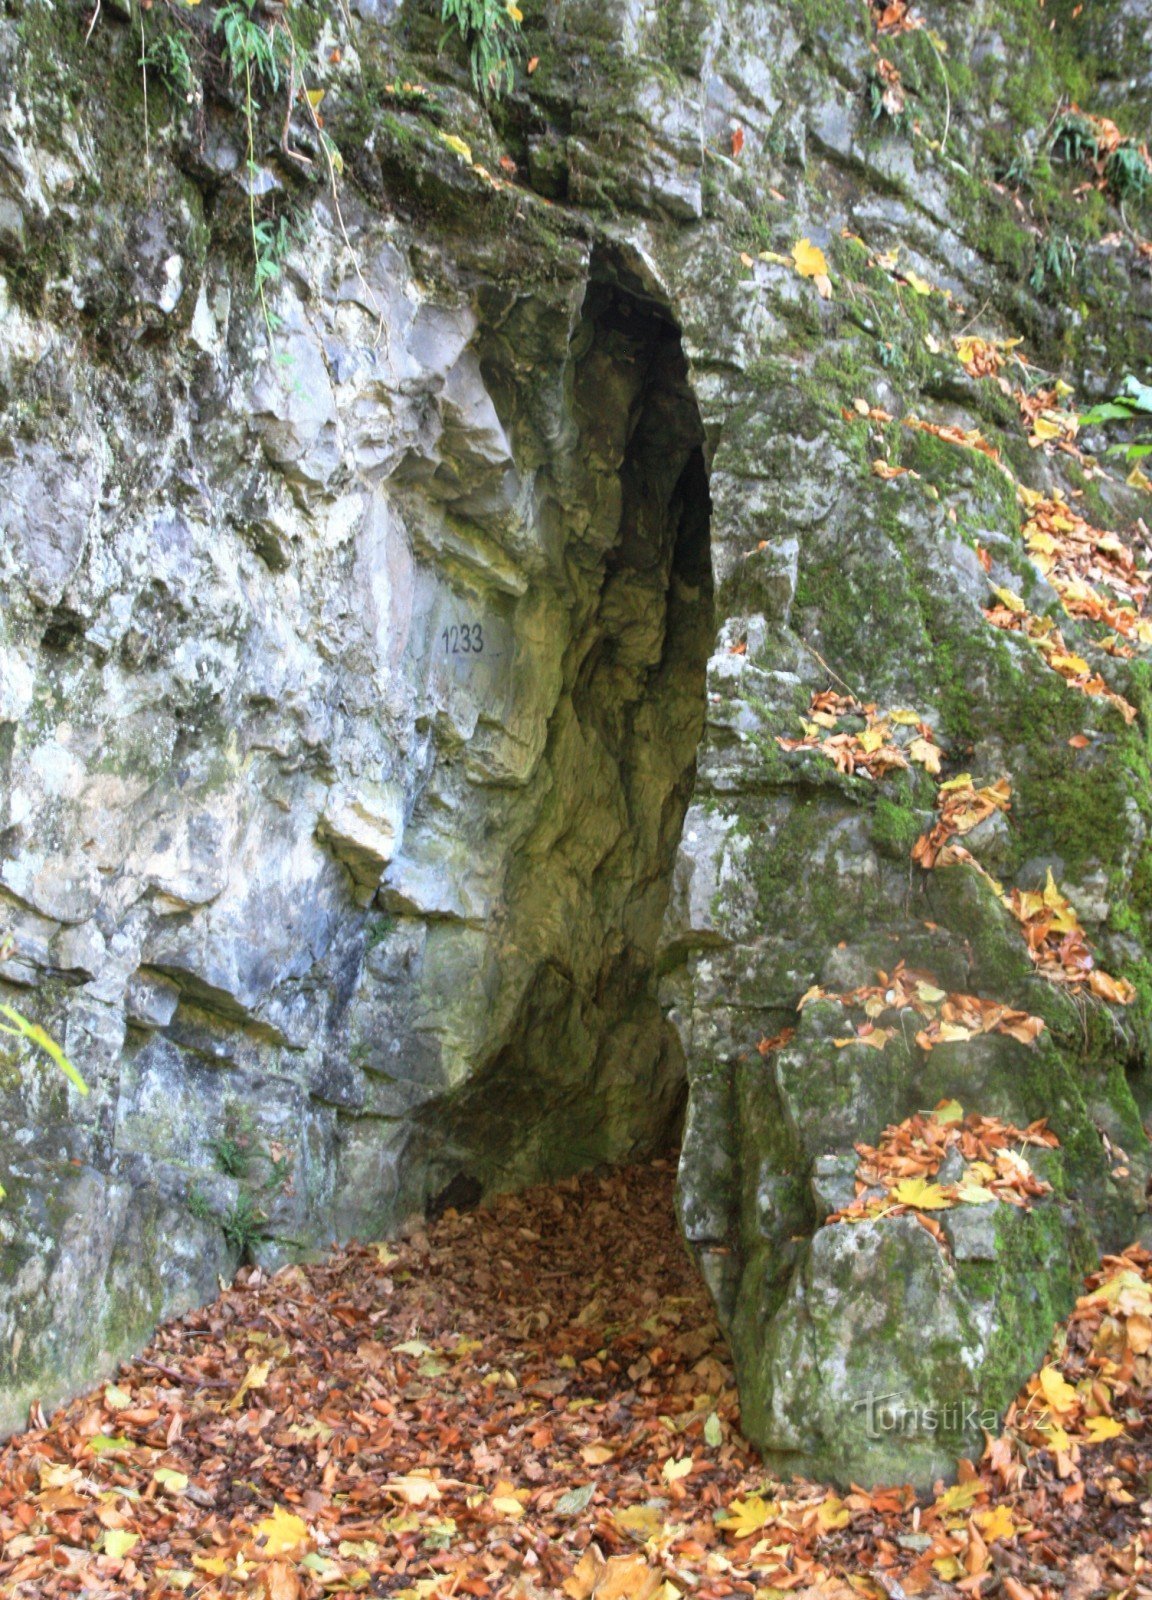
<point>393,805</point>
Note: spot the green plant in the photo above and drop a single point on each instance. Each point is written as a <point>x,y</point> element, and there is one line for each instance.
<point>199,1206</point>
<point>243,1225</point>
<point>280,1170</point>
<point>1074,140</point>
<point>379,931</point>
<point>490,30</point>
<point>1055,264</point>
<point>1133,401</point>
<point>1128,173</point>
<point>1016,171</point>
<point>250,49</point>
<point>17,1024</point>
<point>891,356</point>
<point>252,54</point>
<point>259,50</point>
<point>230,1155</point>
<point>168,57</point>
<point>271,242</point>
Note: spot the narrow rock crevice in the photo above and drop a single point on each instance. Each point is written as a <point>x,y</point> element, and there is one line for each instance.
<point>587,1069</point>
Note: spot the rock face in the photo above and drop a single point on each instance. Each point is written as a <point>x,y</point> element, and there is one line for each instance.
<point>392,801</point>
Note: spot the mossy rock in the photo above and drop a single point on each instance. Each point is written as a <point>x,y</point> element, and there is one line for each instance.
<point>886,1360</point>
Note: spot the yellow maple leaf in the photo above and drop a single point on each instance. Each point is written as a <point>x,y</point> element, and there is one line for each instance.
<point>833,1513</point>
<point>949,1111</point>
<point>1065,919</point>
<point>282,1532</point>
<point>921,1194</point>
<point>960,1497</point>
<point>672,1470</point>
<point>1057,1438</point>
<point>1100,1428</point>
<point>119,1541</point>
<point>808,259</point>
<point>810,262</point>
<point>1066,423</point>
<point>645,1521</point>
<point>1060,1395</point>
<point>1012,601</point>
<point>996,1524</point>
<point>915,281</point>
<point>218,1566</point>
<point>745,1517</point>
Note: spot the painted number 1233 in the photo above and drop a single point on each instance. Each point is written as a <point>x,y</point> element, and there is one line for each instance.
<point>465,639</point>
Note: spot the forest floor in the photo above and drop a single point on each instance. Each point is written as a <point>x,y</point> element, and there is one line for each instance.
<point>534,1400</point>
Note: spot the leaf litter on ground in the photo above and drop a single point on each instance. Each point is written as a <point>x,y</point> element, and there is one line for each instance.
<point>564,1442</point>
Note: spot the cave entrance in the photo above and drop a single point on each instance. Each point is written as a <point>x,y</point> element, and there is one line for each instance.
<point>586,1069</point>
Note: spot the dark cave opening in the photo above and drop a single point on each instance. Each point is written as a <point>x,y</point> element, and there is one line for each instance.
<point>586,1069</point>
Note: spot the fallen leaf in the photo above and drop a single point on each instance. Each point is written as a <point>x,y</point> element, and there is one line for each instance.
<point>1100,1428</point>
<point>1059,1394</point>
<point>282,1533</point>
<point>960,1497</point>
<point>119,1541</point>
<point>464,151</point>
<point>279,1582</point>
<point>171,1480</point>
<point>645,1521</point>
<point>748,1516</point>
<point>921,1194</point>
<point>833,1513</point>
<point>573,1501</point>
<point>810,262</point>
